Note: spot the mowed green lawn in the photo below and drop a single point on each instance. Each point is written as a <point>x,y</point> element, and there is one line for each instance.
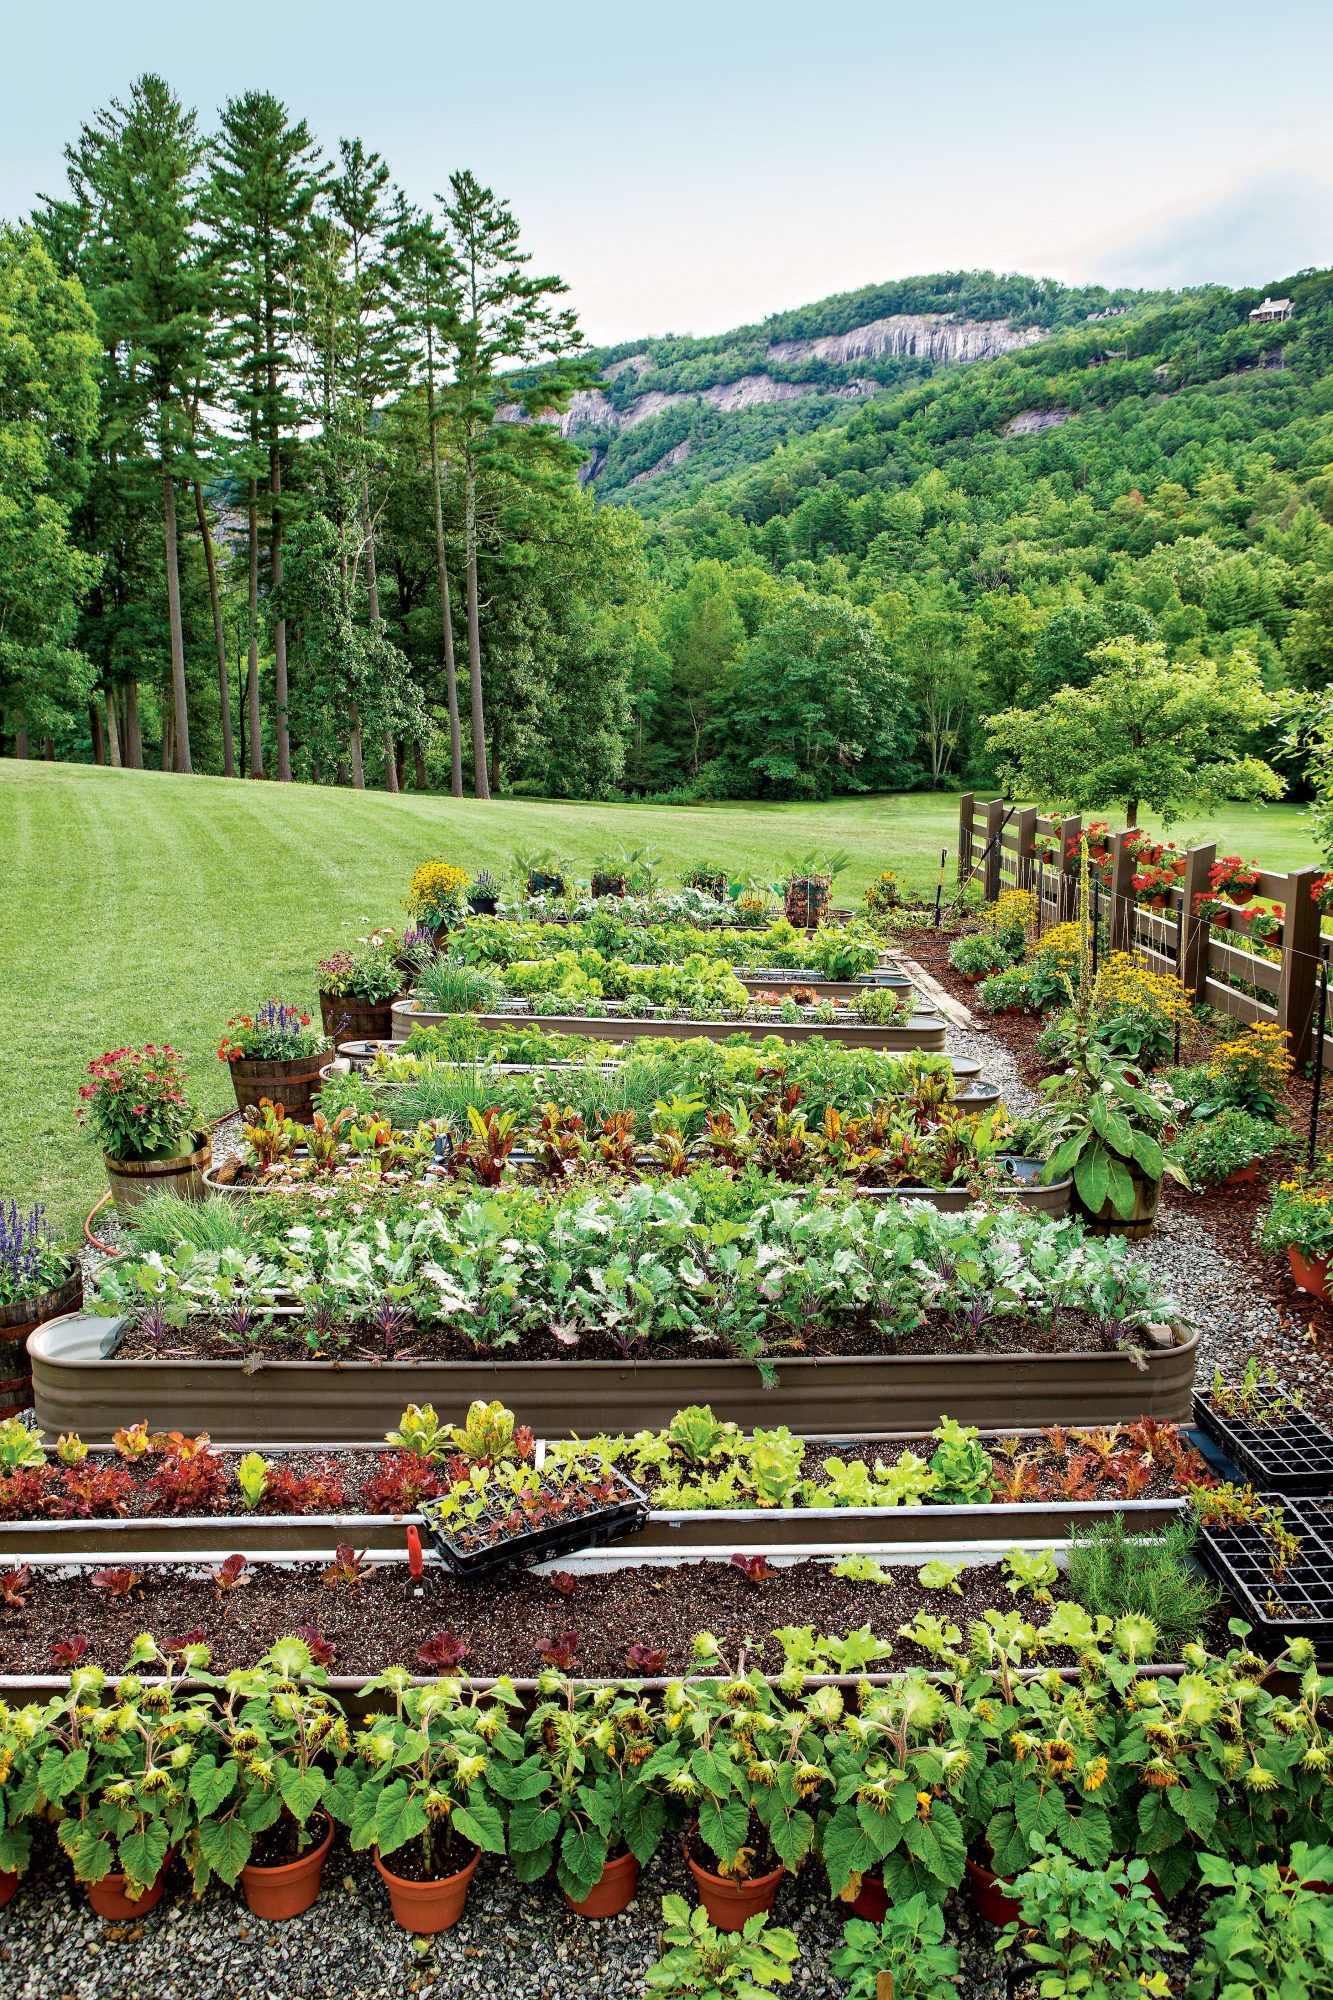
<point>143,907</point>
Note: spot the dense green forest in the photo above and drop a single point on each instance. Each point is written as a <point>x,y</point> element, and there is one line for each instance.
<point>300,478</point>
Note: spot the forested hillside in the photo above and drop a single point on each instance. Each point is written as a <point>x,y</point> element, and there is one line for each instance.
<point>302,479</point>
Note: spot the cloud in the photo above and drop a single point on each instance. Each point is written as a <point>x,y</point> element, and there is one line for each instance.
<point>1261,229</point>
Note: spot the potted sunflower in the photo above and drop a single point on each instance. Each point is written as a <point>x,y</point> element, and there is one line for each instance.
<point>437,897</point>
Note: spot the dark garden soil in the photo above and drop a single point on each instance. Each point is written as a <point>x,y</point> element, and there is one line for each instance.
<point>507,1622</point>
<point>204,1339</point>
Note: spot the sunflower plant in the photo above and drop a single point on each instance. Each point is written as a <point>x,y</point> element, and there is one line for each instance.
<point>895,1767</point>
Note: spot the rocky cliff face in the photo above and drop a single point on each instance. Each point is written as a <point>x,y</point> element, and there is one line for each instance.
<point>935,336</point>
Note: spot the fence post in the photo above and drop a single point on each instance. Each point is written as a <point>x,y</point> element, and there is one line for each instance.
<point>1071,831</point>
<point>1122,895</point>
<point>1194,957</point>
<point>1026,823</point>
<point>966,806</point>
<point>1301,949</point>
<point>994,821</point>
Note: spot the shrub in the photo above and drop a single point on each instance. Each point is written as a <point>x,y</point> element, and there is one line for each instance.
<point>1211,1148</point>
<point>909,1946</point>
<point>977,955</point>
<point>1110,1570</point>
<point>1268,1936</point>
<point>1252,1070</point>
<point>884,894</point>
<point>1006,991</point>
<point>700,1963</point>
<point>1093,1931</point>
<point>436,895</point>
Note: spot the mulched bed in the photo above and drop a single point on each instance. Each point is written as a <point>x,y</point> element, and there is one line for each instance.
<point>942,1334</point>
<point>384,1619</point>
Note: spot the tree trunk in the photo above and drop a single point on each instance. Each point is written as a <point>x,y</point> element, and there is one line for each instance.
<point>99,744</point>
<point>275,547</point>
<point>252,671</point>
<point>113,729</point>
<point>495,756</point>
<point>49,749</point>
<point>133,732</point>
<point>168,739</point>
<point>419,777</point>
<point>442,572</point>
<point>179,701</point>
<point>344,772</point>
<point>373,600</point>
<point>219,637</point>
<point>354,746</point>
<point>479,779</point>
<point>21,740</point>
<point>1131,812</point>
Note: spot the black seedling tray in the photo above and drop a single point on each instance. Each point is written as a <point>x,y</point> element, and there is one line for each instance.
<point>1293,1457</point>
<point>1241,1560</point>
<point>610,1522</point>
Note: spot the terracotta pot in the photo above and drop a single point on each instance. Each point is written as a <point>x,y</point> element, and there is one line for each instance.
<point>17,1321</point>
<point>107,1898</point>
<point>1309,1274</point>
<point>8,1887</point>
<point>730,1905</point>
<point>292,1886</point>
<point>988,1892</point>
<point>428,1907</point>
<point>291,1082</point>
<point>613,1893</point>
<point>132,1181</point>
<point>347,1018</point>
<point>1239,1176</point>
<point>872,1900</point>
<point>1239,896</point>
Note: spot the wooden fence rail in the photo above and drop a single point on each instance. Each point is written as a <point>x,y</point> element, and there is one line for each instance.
<point>1024,849</point>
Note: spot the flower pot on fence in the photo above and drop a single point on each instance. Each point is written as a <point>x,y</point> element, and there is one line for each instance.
<point>107,1898</point>
<point>289,1888</point>
<point>613,1892</point>
<point>349,1018</point>
<point>132,1181</point>
<point>17,1321</point>
<point>428,1907</point>
<point>288,1080</point>
<point>730,1905</point>
<point>1104,1221</point>
<point>989,1892</point>
<point>1309,1274</point>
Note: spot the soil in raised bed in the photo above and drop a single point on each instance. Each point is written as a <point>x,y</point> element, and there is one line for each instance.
<point>384,1619</point>
<point>941,1334</point>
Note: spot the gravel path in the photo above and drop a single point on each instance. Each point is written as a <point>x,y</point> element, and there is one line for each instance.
<point>513,1943</point>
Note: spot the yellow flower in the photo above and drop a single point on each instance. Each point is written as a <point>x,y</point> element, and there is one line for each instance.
<point>1094,1774</point>
<point>924,1802</point>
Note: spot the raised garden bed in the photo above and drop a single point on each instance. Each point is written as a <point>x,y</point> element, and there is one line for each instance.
<point>922,1031</point>
<point>360,1055</point>
<point>999,1523</point>
<point>385,1615</point>
<point>79,1387</point>
<point>1293,1457</point>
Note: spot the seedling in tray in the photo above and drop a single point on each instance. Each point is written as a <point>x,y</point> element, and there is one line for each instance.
<point>514,1513</point>
<point>1267,1435</point>
<point>1274,1555</point>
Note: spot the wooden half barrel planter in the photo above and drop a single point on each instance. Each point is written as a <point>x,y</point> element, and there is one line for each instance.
<point>133,1181</point>
<point>79,1386</point>
<point>17,1321</point>
<point>292,1081</point>
<point>922,1031</point>
<point>347,1018</point>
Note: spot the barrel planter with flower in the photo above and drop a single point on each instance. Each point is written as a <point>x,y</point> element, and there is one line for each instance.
<point>135,1104</point>
<point>275,1053</point>
<point>1297,1223</point>
<point>38,1282</point>
<point>358,986</point>
<point>437,898</point>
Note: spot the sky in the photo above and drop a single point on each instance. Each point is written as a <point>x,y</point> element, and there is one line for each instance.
<point>690,167</point>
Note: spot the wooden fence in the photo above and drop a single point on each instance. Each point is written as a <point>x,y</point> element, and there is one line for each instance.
<point>1010,847</point>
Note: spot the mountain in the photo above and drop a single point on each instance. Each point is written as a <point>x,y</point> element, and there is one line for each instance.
<point>670,415</point>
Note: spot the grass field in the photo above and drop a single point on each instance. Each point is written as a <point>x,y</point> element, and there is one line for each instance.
<point>146,907</point>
